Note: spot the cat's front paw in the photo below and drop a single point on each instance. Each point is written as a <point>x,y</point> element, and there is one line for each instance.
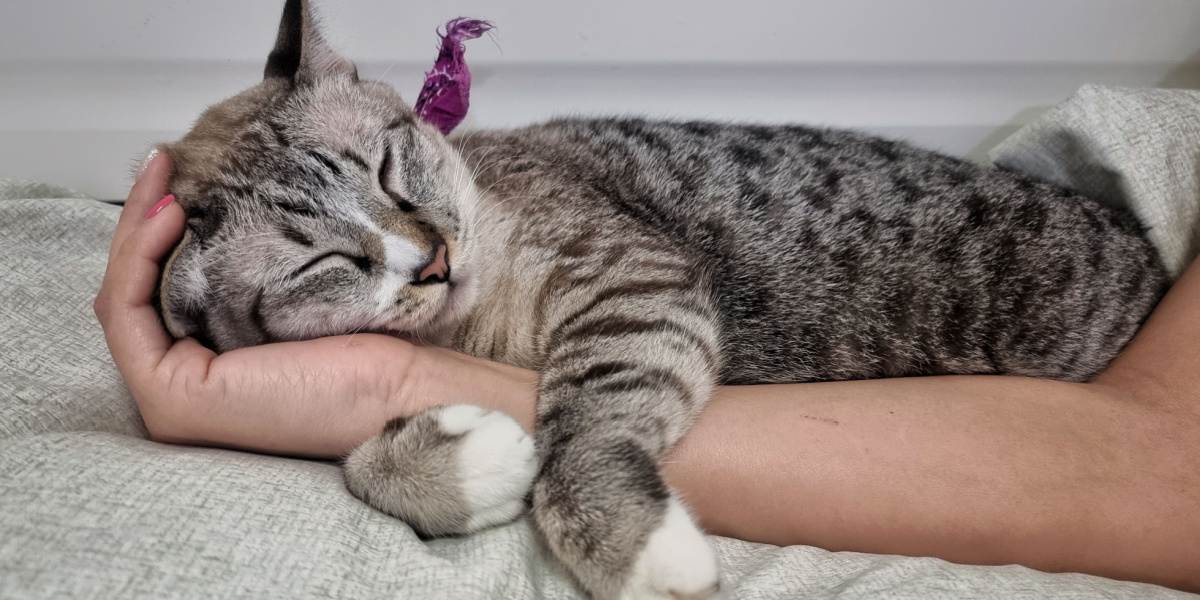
<point>496,463</point>
<point>449,470</point>
<point>676,564</point>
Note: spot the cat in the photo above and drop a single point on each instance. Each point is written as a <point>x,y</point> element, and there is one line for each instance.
<point>635,264</point>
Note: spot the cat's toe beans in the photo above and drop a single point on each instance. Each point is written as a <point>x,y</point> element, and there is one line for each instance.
<point>496,463</point>
<point>676,564</point>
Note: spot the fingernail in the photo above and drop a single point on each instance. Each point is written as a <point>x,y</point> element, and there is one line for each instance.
<point>146,161</point>
<point>161,204</point>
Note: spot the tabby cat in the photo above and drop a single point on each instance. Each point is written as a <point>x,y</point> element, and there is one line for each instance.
<point>635,264</point>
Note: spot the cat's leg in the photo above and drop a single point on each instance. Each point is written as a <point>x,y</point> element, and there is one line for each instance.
<point>631,359</point>
<point>448,470</point>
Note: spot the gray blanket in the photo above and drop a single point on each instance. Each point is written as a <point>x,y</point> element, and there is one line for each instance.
<point>91,509</point>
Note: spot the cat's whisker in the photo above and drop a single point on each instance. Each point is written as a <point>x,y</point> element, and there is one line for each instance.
<point>350,336</point>
<point>479,166</point>
<point>497,182</point>
<point>388,70</point>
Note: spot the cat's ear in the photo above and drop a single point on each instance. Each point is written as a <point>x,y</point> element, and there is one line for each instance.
<point>301,54</point>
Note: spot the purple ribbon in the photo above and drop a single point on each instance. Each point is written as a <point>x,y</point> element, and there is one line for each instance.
<point>446,95</point>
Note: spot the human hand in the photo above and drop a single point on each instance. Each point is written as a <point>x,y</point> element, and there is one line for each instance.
<point>315,398</point>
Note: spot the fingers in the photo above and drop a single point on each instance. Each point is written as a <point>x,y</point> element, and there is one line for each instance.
<point>131,325</point>
<point>150,187</point>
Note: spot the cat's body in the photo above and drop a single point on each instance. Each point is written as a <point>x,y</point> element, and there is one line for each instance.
<point>828,254</point>
<point>635,265</point>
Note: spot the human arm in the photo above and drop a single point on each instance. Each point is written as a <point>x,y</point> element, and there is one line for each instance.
<point>1099,478</point>
<point>1059,477</point>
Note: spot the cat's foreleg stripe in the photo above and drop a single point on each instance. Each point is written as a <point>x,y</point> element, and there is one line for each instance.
<point>619,325</point>
<point>621,293</point>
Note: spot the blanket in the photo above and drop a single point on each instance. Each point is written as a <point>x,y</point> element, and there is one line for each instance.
<point>89,508</point>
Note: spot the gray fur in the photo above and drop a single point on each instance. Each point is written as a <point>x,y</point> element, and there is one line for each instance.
<point>635,264</point>
<point>448,470</point>
<point>402,471</point>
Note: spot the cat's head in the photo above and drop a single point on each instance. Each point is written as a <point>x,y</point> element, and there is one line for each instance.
<point>317,204</point>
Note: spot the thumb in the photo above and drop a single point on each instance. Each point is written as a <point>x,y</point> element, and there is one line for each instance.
<point>135,335</point>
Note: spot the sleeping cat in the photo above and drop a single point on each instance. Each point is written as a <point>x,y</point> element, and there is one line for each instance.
<point>635,264</point>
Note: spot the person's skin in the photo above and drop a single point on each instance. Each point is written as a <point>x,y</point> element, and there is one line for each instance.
<point>1101,478</point>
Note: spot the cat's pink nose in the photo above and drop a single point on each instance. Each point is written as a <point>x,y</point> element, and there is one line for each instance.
<point>438,269</point>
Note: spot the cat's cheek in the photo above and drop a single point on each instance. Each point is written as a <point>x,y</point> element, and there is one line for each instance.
<point>389,292</point>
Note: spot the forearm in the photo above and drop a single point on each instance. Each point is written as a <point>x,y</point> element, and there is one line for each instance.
<point>1099,478</point>
<point>318,399</point>
<point>989,470</point>
<point>992,470</point>
<point>1057,476</point>
<point>280,403</point>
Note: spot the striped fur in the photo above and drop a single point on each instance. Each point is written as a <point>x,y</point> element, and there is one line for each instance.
<point>635,264</point>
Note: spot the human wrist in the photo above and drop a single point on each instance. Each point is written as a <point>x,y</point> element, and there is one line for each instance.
<point>514,391</point>
<point>439,377</point>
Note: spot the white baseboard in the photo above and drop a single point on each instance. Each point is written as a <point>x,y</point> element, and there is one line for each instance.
<point>82,124</point>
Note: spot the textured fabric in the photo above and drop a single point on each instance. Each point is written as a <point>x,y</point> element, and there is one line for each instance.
<point>53,374</point>
<point>1138,148</point>
<point>90,509</point>
<point>11,189</point>
<point>101,515</point>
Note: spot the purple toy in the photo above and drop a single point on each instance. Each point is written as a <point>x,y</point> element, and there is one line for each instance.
<point>444,98</point>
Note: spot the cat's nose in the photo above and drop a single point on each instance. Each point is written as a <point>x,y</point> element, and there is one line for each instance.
<point>437,270</point>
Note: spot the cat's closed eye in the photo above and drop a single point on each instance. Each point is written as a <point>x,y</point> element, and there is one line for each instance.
<point>362,263</point>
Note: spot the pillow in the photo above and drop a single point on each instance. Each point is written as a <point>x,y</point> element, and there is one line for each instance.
<point>1136,148</point>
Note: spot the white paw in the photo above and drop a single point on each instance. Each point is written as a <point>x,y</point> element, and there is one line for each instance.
<point>496,463</point>
<point>676,564</point>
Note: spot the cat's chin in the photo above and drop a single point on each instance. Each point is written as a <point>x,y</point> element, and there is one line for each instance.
<point>459,301</point>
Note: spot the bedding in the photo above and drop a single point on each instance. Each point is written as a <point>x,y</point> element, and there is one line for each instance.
<point>91,509</point>
<point>1132,147</point>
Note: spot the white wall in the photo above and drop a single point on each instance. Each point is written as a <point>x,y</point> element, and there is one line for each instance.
<point>85,86</point>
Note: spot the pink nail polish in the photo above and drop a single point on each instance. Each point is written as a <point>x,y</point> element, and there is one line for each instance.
<point>161,204</point>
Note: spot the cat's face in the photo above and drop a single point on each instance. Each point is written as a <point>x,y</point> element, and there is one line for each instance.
<point>317,204</point>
